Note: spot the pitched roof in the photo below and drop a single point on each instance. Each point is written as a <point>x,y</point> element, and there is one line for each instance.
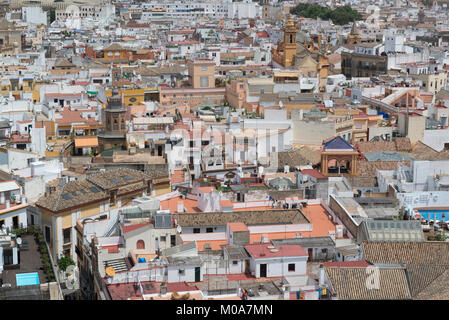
<point>351,283</point>
<point>429,252</point>
<point>438,289</point>
<point>114,46</point>
<point>116,178</point>
<point>368,168</point>
<point>375,146</point>
<point>347,264</point>
<point>70,195</point>
<point>422,151</point>
<point>298,157</point>
<point>64,63</point>
<point>403,144</point>
<point>92,189</point>
<point>337,143</point>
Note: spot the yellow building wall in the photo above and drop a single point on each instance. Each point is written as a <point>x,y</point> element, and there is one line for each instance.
<point>5,89</point>
<point>291,107</point>
<point>162,189</point>
<point>113,56</point>
<point>66,219</point>
<point>90,210</point>
<point>129,95</point>
<point>47,220</point>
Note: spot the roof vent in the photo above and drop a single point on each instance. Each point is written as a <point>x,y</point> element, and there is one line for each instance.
<point>271,247</point>
<point>274,250</point>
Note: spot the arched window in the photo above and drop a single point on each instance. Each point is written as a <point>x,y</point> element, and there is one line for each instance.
<point>291,38</point>
<point>140,244</point>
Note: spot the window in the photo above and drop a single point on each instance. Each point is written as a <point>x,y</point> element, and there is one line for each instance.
<point>235,262</point>
<point>163,238</point>
<point>140,245</point>
<point>291,267</point>
<point>182,272</point>
<point>196,230</point>
<point>209,230</point>
<point>67,235</point>
<point>47,234</point>
<point>203,68</point>
<point>204,81</point>
<point>7,256</point>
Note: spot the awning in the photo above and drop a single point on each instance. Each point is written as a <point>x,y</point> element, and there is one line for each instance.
<point>86,142</point>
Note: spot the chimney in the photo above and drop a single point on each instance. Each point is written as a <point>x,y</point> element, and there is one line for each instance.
<point>180,206</point>
<point>7,204</point>
<point>321,280</point>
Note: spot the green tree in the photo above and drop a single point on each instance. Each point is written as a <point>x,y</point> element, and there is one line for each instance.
<point>64,262</point>
<point>341,16</point>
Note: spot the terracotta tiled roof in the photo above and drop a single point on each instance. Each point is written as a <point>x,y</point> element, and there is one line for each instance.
<point>428,252</point>
<point>247,217</point>
<point>351,284</point>
<point>427,264</point>
<point>177,177</point>
<point>117,178</point>
<point>368,168</point>
<point>403,144</point>
<point>347,264</point>
<point>114,46</point>
<point>438,289</point>
<point>376,146</point>
<point>76,193</point>
<point>133,227</point>
<point>422,151</point>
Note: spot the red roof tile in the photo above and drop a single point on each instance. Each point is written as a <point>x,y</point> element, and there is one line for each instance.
<point>313,173</point>
<point>348,264</point>
<point>133,227</point>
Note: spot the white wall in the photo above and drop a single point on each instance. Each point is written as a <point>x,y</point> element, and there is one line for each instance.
<point>173,274</point>
<point>436,138</point>
<point>22,213</point>
<point>424,199</point>
<point>277,267</point>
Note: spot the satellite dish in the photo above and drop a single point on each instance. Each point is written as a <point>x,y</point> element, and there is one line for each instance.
<point>178,229</point>
<point>19,241</point>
